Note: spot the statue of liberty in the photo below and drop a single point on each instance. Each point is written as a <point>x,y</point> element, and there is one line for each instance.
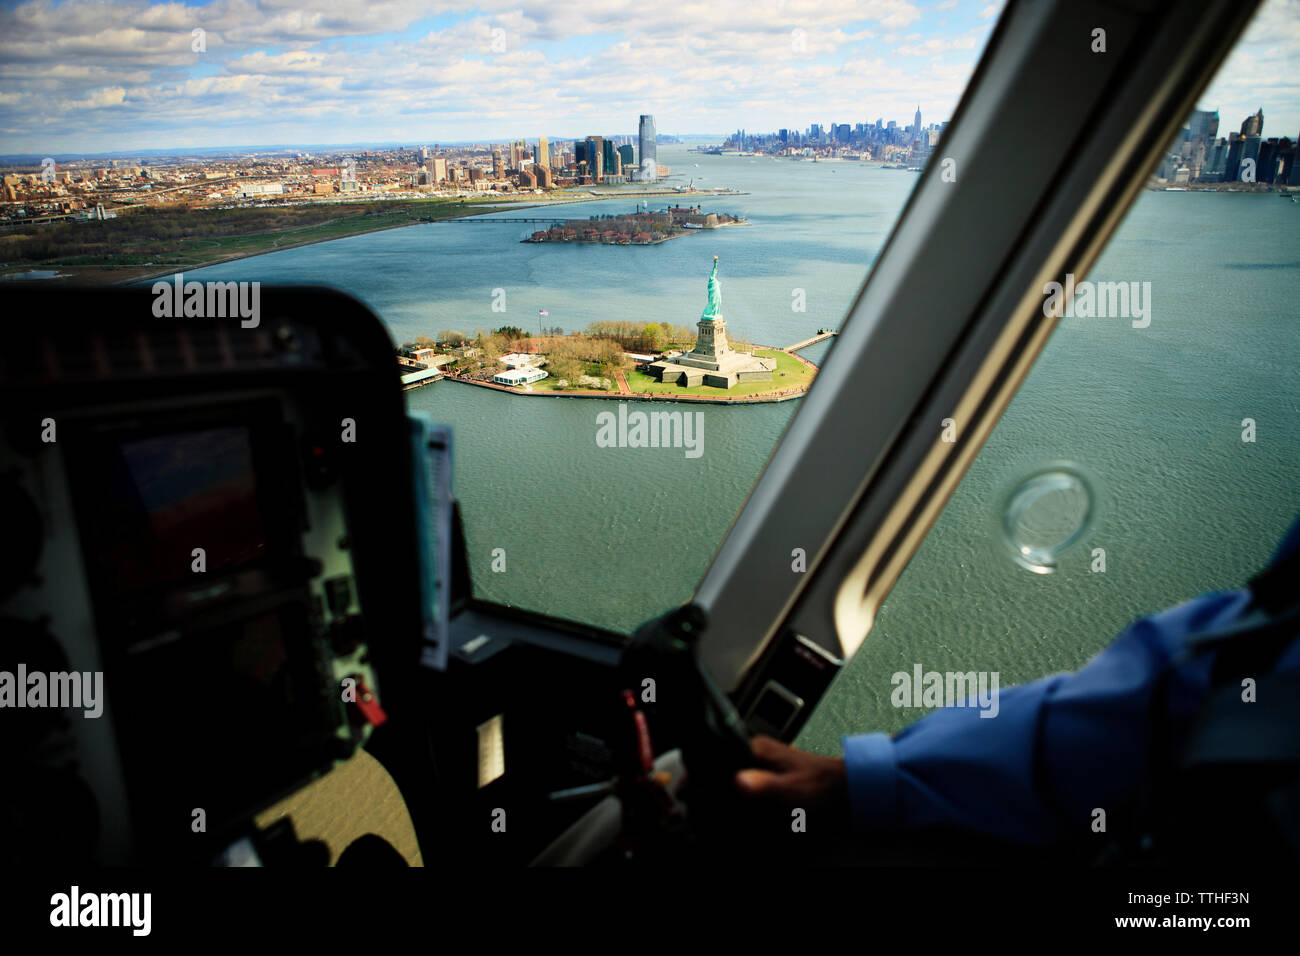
<point>714,309</point>
<point>713,361</point>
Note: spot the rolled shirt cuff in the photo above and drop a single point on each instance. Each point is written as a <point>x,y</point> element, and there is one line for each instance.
<point>872,773</point>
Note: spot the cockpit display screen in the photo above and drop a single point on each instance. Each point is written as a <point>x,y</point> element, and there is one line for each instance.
<point>171,500</point>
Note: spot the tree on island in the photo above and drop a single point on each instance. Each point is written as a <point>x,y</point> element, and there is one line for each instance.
<point>564,368</point>
<point>451,337</point>
<point>607,353</point>
<point>424,342</point>
<point>492,346</point>
<point>656,336</point>
<point>643,337</point>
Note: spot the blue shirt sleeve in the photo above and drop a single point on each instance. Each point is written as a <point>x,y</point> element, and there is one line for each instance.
<point>1057,748</point>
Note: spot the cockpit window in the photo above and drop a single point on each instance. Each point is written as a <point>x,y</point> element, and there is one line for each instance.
<point>764,219</point>
<point>575,196</point>
<point>1151,453</point>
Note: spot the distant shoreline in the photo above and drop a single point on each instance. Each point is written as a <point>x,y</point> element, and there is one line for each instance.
<point>266,252</point>
<point>508,204</point>
<point>102,274</point>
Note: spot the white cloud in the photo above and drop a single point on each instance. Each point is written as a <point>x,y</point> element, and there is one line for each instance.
<point>294,61</point>
<point>98,99</point>
<point>935,46</point>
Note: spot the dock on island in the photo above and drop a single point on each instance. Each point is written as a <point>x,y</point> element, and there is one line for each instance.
<point>821,336</point>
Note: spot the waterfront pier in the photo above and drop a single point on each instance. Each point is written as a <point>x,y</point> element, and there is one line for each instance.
<point>819,337</point>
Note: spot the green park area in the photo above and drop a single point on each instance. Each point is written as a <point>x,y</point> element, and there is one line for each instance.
<point>153,241</point>
<point>790,373</point>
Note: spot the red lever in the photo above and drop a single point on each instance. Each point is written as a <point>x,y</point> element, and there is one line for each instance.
<point>368,704</point>
<point>645,748</point>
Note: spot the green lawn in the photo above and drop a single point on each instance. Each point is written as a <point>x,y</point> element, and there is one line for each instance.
<point>790,372</point>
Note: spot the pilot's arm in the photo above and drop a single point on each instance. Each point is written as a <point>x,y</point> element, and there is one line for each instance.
<point>1057,750</point>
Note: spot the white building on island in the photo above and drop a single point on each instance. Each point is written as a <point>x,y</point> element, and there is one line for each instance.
<point>519,376</point>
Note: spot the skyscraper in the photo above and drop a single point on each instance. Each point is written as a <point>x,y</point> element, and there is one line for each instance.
<point>648,153</point>
<point>596,158</point>
<point>1266,171</point>
<point>1232,165</point>
<point>543,157</point>
<point>1250,151</point>
<point>1215,161</point>
<point>1204,125</point>
<point>916,124</point>
<point>1253,125</point>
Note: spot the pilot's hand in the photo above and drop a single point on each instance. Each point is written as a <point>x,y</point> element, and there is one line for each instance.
<point>796,777</point>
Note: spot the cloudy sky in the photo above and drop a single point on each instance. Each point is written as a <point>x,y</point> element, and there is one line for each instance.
<point>101,75</point>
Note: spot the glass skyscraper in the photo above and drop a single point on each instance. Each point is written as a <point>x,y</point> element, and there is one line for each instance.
<point>648,154</point>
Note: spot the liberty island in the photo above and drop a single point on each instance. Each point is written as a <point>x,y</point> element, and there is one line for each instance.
<point>605,362</point>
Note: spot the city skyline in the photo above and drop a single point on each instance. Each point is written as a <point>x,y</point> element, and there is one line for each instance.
<point>498,142</point>
<point>827,134</point>
<point>84,77</point>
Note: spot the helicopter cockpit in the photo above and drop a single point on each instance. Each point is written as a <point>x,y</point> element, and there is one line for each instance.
<point>231,537</point>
